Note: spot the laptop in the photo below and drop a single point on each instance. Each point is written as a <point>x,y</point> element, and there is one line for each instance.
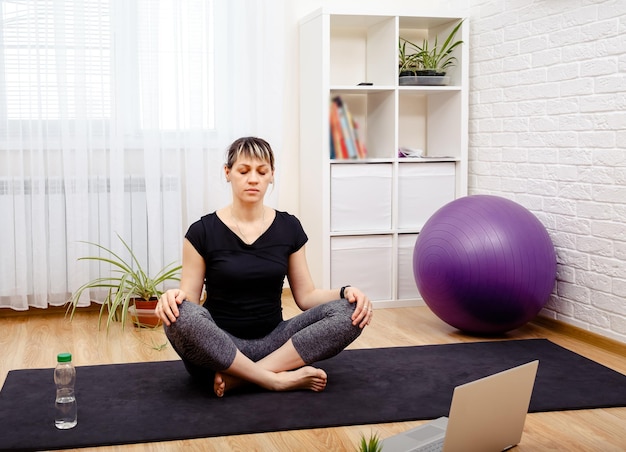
<point>485,415</point>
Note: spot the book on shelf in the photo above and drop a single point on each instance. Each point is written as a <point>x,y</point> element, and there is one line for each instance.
<point>339,149</point>
<point>344,136</point>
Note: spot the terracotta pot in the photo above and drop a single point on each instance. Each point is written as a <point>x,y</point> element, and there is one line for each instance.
<point>143,315</point>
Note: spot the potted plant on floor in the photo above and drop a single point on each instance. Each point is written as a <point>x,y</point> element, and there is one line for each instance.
<point>129,288</point>
<point>427,64</point>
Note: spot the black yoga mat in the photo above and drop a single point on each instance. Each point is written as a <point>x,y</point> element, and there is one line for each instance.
<point>157,401</point>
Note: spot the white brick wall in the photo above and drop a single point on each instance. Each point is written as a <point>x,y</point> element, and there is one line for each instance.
<point>548,130</point>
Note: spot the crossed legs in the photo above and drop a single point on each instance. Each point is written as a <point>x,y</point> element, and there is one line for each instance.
<point>276,362</point>
<point>282,370</point>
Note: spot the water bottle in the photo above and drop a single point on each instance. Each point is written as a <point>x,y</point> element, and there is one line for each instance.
<point>65,405</point>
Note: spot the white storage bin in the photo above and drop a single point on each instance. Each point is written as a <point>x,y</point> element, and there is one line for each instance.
<point>364,262</point>
<point>422,189</point>
<point>360,197</point>
<point>407,289</point>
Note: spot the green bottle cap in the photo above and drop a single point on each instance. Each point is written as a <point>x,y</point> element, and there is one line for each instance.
<point>64,357</point>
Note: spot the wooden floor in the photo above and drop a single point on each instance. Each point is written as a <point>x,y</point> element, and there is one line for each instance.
<point>32,341</point>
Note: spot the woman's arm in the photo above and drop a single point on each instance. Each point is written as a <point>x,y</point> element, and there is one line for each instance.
<point>190,288</point>
<point>306,295</point>
<point>192,276</point>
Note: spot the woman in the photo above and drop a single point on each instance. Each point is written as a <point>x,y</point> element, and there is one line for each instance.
<point>242,253</point>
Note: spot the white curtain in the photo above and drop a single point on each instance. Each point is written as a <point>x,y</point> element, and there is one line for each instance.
<point>115,116</point>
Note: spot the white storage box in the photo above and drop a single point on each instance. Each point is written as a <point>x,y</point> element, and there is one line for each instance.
<point>360,197</point>
<point>364,262</point>
<point>407,289</point>
<point>422,189</point>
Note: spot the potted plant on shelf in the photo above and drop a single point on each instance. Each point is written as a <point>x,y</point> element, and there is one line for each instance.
<point>425,64</point>
<point>128,283</point>
<point>408,63</point>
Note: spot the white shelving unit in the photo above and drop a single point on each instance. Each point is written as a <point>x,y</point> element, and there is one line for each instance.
<point>363,216</point>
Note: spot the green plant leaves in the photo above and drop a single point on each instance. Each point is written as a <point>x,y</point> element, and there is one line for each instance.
<point>127,280</point>
<point>424,56</point>
<point>373,444</point>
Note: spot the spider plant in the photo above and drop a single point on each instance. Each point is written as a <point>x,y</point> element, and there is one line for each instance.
<point>128,281</point>
<point>435,58</point>
<point>408,63</point>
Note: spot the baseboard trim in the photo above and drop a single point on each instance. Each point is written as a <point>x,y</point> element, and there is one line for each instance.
<point>50,310</point>
<point>589,337</point>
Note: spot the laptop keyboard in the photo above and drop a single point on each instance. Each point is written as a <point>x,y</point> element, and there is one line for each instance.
<point>436,446</point>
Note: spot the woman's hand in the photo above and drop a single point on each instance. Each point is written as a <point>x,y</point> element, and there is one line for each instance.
<point>363,312</point>
<point>167,307</point>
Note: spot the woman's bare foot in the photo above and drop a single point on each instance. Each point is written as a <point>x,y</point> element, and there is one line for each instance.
<point>222,382</point>
<point>307,377</point>
<point>304,378</point>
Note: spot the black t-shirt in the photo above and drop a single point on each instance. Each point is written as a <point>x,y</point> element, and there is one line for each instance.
<point>244,282</point>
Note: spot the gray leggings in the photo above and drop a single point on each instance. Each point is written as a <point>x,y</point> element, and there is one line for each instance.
<point>318,333</point>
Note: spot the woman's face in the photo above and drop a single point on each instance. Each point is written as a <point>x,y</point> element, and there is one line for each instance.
<point>249,178</point>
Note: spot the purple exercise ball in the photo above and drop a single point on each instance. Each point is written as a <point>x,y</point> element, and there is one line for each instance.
<point>484,264</point>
